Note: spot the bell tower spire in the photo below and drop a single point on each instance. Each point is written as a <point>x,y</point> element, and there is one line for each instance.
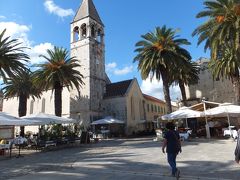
<point>87,9</point>
<point>87,45</point>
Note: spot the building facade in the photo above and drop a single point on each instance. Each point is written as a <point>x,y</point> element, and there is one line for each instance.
<point>87,45</point>
<point>125,101</point>
<point>98,97</point>
<point>208,88</point>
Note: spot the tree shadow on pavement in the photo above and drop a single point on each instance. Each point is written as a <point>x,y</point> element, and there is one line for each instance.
<point>114,159</point>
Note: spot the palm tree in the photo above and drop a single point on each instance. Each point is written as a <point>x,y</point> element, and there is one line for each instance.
<point>221,35</point>
<point>57,72</point>
<point>11,57</point>
<point>185,75</point>
<point>222,25</point>
<point>159,53</point>
<point>21,86</point>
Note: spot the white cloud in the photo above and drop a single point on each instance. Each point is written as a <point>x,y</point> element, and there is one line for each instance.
<point>55,9</point>
<point>15,30</point>
<point>2,17</point>
<point>113,69</point>
<point>18,31</point>
<point>110,66</point>
<point>40,49</point>
<point>155,88</point>
<point>123,71</point>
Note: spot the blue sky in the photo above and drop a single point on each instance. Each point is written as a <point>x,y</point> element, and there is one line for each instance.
<point>41,24</point>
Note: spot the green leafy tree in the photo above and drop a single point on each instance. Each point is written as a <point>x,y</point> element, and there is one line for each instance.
<point>22,87</point>
<point>220,33</point>
<point>57,72</point>
<point>12,57</point>
<point>159,54</point>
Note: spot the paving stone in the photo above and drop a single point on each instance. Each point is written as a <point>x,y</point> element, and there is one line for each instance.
<point>139,158</point>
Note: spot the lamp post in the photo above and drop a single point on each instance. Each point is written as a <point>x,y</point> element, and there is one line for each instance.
<point>207,126</point>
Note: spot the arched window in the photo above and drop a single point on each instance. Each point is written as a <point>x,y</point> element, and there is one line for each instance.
<point>76,34</point>
<point>31,107</point>
<point>84,31</point>
<point>99,36</point>
<point>93,33</point>
<point>43,105</point>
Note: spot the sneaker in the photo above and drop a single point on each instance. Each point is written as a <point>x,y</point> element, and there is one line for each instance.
<point>177,174</point>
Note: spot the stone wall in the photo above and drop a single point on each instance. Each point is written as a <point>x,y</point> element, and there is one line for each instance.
<point>220,90</point>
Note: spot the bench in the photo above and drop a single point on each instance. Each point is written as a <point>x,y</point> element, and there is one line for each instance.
<point>50,143</point>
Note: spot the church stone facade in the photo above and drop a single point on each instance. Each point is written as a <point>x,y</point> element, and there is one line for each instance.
<point>87,45</point>
<point>98,96</point>
<point>208,88</point>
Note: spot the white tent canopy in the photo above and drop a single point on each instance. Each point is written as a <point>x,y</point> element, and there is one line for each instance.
<point>107,120</point>
<point>224,110</point>
<point>45,119</point>
<point>8,120</point>
<point>182,113</point>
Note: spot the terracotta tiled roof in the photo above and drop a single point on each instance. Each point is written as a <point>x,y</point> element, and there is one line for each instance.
<point>152,98</point>
<point>118,88</point>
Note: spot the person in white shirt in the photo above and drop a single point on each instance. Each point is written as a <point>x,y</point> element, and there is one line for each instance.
<point>211,127</point>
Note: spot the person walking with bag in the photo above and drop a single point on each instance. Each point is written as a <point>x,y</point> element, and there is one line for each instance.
<point>173,147</point>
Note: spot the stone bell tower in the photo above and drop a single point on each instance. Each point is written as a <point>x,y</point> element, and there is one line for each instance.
<point>87,45</point>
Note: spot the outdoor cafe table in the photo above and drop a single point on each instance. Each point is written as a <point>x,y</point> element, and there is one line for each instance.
<point>3,147</point>
<point>232,132</point>
<point>184,136</point>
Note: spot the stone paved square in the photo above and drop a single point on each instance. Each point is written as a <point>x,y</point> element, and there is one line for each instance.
<point>138,158</point>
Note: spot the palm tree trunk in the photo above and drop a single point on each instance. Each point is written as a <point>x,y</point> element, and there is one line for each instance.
<point>166,91</point>
<point>237,36</point>
<point>58,99</point>
<point>236,86</point>
<point>183,92</point>
<point>22,110</point>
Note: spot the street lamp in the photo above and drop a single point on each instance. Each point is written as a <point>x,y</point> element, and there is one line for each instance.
<point>207,126</point>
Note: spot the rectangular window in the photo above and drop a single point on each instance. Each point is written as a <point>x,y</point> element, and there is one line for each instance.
<point>31,107</point>
<point>43,105</point>
<point>148,107</point>
<point>132,108</point>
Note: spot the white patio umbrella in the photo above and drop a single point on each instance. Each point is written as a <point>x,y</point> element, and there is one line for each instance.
<point>107,120</point>
<point>224,110</point>
<point>9,120</point>
<point>45,119</point>
<point>182,113</point>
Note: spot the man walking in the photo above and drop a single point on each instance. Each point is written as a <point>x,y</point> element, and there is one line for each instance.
<point>173,145</point>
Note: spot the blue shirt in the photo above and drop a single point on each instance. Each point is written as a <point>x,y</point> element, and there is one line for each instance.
<point>173,145</point>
